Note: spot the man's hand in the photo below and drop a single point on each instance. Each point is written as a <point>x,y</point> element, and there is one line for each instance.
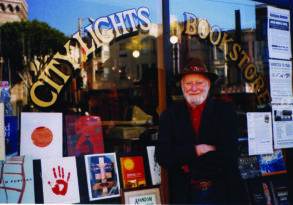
<point>203,149</point>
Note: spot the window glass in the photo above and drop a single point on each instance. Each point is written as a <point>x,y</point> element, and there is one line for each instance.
<point>120,77</point>
<point>239,20</point>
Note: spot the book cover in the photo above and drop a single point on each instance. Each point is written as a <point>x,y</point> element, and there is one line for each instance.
<point>84,135</point>
<point>243,146</point>
<point>5,97</point>
<point>132,171</point>
<point>261,192</point>
<point>102,176</point>
<point>281,190</point>
<point>11,136</point>
<point>249,167</point>
<point>41,135</point>
<point>59,180</point>
<point>155,168</point>
<point>17,180</point>
<point>271,164</point>
<point>2,133</point>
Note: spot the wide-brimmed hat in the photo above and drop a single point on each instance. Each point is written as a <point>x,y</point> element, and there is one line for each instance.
<point>196,66</point>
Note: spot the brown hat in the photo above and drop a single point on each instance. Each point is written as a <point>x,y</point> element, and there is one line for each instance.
<point>196,66</point>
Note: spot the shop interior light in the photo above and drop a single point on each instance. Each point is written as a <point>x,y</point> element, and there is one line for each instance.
<point>173,39</point>
<point>136,53</point>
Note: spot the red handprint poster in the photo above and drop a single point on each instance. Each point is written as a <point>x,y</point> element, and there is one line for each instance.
<point>60,183</point>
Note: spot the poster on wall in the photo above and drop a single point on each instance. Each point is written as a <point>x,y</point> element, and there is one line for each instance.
<point>155,168</point>
<point>2,137</point>
<point>41,135</point>
<point>260,139</point>
<point>102,176</point>
<point>282,114</point>
<point>17,180</point>
<point>84,135</point>
<point>280,79</point>
<point>60,182</point>
<point>279,38</point>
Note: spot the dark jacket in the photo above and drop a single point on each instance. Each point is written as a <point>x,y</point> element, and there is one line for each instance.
<point>176,148</point>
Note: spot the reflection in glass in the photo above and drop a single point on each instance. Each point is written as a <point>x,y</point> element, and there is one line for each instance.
<point>242,21</point>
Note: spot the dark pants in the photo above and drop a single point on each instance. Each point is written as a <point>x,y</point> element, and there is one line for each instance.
<point>182,191</point>
<point>209,195</point>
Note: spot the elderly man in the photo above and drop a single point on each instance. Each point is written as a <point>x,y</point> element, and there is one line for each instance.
<point>197,143</point>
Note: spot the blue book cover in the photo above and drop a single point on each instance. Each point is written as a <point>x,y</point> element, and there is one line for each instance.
<point>11,136</point>
<point>17,180</point>
<point>271,164</point>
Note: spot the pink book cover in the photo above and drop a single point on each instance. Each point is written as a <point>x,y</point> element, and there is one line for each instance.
<point>84,135</point>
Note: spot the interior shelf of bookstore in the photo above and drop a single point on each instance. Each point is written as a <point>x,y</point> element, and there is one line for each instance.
<point>85,129</point>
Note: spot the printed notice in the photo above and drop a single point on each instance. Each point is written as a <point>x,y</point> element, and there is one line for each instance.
<point>279,40</point>
<point>280,79</point>
<point>282,124</point>
<point>260,139</point>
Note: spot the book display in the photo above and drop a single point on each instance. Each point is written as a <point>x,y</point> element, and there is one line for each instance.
<point>58,173</point>
<point>264,175</point>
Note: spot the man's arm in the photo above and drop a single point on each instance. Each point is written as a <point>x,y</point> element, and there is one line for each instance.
<point>168,153</point>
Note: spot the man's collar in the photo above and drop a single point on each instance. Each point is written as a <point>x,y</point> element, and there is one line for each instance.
<point>200,106</point>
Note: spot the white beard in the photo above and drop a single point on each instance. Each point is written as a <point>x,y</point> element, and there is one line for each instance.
<point>198,99</point>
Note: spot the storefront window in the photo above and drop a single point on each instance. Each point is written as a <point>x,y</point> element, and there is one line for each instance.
<point>108,68</point>
<point>120,77</point>
<point>118,81</point>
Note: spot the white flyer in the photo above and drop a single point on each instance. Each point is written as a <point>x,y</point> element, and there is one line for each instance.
<point>280,79</point>
<point>260,139</point>
<point>59,180</point>
<point>41,134</point>
<point>283,124</point>
<point>155,168</point>
<point>279,38</point>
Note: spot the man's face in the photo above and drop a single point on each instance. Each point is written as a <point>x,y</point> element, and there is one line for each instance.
<point>195,88</point>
